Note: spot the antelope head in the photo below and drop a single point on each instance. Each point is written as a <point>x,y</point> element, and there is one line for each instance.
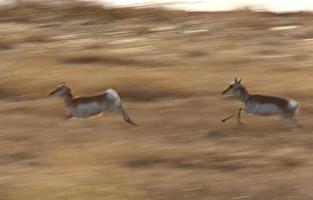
<point>233,87</point>
<point>60,91</point>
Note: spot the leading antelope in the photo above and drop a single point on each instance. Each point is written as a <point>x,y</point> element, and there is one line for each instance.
<point>262,105</point>
<point>83,107</point>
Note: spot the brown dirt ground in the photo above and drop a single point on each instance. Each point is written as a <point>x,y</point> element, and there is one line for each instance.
<point>170,68</point>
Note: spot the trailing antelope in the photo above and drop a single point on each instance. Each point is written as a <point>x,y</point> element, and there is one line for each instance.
<point>83,107</point>
<point>262,105</point>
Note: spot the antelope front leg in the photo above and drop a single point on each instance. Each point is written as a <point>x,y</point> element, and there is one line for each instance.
<point>229,117</point>
<point>238,117</point>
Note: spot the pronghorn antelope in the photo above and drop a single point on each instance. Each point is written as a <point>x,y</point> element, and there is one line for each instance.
<point>262,105</point>
<point>83,107</point>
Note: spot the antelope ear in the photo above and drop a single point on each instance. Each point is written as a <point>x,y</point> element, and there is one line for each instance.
<point>235,79</point>
<point>239,81</point>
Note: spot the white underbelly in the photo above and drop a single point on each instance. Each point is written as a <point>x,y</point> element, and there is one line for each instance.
<point>264,109</point>
<point>86,110</point>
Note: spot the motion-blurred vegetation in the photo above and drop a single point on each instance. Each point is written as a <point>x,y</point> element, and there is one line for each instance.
<point>170,68</point>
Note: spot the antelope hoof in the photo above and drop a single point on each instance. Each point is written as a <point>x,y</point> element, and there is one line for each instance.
<point>299,126</point>
<point>225,119</point>
<point>67,117</point>
<point>240,123</point>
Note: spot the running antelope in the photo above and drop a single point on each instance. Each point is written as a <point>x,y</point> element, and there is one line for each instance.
<point>262,105</point>
<point>83,107</point>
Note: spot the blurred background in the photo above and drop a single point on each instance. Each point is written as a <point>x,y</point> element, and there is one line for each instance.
<point>170,62</point>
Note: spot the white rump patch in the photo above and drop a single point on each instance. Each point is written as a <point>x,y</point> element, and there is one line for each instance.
<point>292,104</point>
<point>112,95</point>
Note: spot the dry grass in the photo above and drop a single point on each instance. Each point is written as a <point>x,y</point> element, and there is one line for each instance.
<point>74,10</point>
<point>171,82</point>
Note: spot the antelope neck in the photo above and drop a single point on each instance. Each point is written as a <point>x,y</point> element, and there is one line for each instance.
<point>242,93</point>
<point>68,98</point>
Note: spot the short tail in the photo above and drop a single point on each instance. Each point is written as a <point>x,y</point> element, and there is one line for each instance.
<point>293,106</point>
<point>126,117</point>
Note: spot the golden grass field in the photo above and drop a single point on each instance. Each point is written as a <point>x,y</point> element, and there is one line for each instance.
<point>170,68</point>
